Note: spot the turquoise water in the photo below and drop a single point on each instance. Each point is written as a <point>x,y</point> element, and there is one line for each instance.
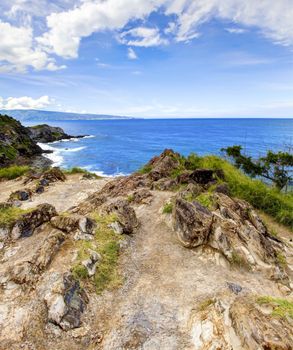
<point>122,146</point>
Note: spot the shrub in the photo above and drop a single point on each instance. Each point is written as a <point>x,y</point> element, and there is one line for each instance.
<point>145,169</point>
<point>205,199</point>
<point>77,170</point>
<point>167,209</point>
<point>13,172</point>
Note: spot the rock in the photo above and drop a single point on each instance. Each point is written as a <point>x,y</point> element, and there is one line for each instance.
<point>21,195</point>
<point>192,222</point>
<point>27,223</point>
<point>184,178</point>
<point>29,271</point>
<point>192,190</point>
<point>202,176</point>
<point>52,175</point>
<point>40,189</point>
<point>16,146</point>
<point>142,196</point>
<point>235,288</point>
<point>45,133</point>
<point>91,263</point>
<point>116,227</point>
<point>73,223</point>
<point>256,329</point>
<point>164,184</point>
<point>163,165</point>
<point>223,188</point>
<point>125,215</point>
<point>66,301</point>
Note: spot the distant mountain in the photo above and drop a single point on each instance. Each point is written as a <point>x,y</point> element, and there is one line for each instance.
<point>38,115</point>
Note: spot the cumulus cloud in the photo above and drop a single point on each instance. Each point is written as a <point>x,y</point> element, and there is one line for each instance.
<point>17,52</point>
<point>131,54</point>
<point>62,24</point>
<point>25,102</point>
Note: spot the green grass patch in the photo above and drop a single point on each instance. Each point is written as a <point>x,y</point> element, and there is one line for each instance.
<point>205,199</point>
<point>281,259</point>
<point>77,170</point>
<point>274,203</point>
<point>238,261</point>
<point>130,198</point>
<point>281,307</point>
<point>13,172</point>
<point>106,243</point>
<point>167,209</point>
<point>10,214</point>
<point>145,169</point>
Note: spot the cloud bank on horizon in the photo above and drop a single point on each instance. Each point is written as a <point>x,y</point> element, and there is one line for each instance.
<point>52,41</point>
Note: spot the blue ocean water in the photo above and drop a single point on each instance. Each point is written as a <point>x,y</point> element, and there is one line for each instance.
<point>123,146</point>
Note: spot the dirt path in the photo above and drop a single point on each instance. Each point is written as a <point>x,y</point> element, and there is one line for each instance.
<point>165,283</point>
<point>62,195</point>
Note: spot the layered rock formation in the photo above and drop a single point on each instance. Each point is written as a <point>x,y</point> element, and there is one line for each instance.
<point>45,133</point>
<point>115,272</point>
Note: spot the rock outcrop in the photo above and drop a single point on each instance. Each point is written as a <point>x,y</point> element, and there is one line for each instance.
<point>16,146</point>
<point>45,133</point>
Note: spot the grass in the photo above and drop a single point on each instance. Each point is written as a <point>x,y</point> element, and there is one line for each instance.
<point>130,198</point>
<point>268,199</point>
<point>281,307</point>
<point>10,214</point>
<point>13,172</point>
<point>145,169</point>
<point>281,259</point>
<point>205,199</point>
<point>106,243</point>
<point>238,261</point>
<point>77,170</point>
<point>168,207</point>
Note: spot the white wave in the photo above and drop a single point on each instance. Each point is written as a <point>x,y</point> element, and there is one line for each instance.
<point>56,158</point>
<point>88,136</point>
<point>77,149</point>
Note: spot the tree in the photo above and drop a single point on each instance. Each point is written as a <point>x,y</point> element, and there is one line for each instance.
<point>275,166</point>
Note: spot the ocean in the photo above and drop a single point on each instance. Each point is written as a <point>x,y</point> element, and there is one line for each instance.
<point>116,147</point>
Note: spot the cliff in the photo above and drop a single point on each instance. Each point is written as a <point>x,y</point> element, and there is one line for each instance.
<point>46,133</point>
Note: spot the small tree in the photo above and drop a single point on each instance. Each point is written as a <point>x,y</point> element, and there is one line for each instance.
<point>273,166</point>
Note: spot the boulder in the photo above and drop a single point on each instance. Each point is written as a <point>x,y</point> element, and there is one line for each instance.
<point>66,302</point>
<point>192,222</point>
<point>91,263</point>
<point>142,196</point>
<point>21,195</point>
<point>27,223</point>
<point>52,175</point>
<point>164,184</point>
<point>192,190</point>
<point>223,188</point>
<point>202,176</point>
<point>74,223</point>
<point>125,215</point>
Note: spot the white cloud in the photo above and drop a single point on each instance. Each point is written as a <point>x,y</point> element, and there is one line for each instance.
<point>25,102</point>
<point>236,30</point>
<point>131,54</point>
<point>142,36</point>
<point>69,21</point>
<point>17,52</point>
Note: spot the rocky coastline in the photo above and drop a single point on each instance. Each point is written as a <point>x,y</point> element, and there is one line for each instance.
<point>166,258</point>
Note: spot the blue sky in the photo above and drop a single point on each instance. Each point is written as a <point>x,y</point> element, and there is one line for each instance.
<point>151,58</point>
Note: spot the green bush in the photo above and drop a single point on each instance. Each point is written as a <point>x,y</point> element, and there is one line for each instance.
<point>13,172</point>
<point>145,169</point>
<point>77,170</point>
<point>281,307</point>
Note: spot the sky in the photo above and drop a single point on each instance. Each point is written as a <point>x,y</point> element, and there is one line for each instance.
<point>148,58</point>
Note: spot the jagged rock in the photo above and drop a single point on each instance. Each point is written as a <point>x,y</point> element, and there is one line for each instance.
<point>258,330</point>
<point>91,263</point>
<point>73,223</point>
<point>21,195</point>
<point>66,301</point>
<point>26,224</point>
<point>192,190</point>
<point>46,133</point>
<point>164,184</point>
<point>223,188</point>
<point>163,165</point>
<point>40,189</point>
<point>202,176</point>
<point>192,222</point>
<point>52,175</point>
<point>28,271</point>
<point>184,178</point>
<point>142,196</point>
<point>125,215</point>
